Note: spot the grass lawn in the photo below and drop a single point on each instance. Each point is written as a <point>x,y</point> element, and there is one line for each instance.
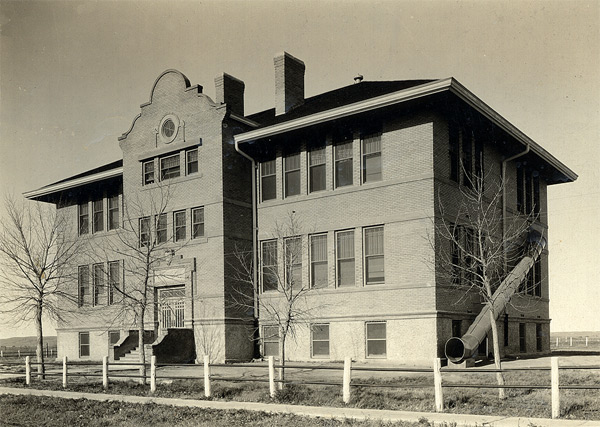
<point>578,404</point>
<point>50,411</point>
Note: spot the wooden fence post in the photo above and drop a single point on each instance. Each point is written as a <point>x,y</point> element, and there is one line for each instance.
<point>347,379</point>
<point>27,370</point>
<point>272,376</point>
<point>1,354</point>
<point>207,391</point>
<point>570,341</point>
<point>153,374</point>
<point>586,341</point>
<point>556,342</point>
<point>437,382</point>
<point>19,352</point>
<point>65,372</point>
<point>555,387</point>
<point>105,372</point>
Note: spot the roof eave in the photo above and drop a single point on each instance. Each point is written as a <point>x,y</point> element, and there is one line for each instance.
<point>66,185</point>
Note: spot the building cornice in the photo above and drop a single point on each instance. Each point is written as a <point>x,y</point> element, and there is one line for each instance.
<point>405,95</point>
<point>72,183</point>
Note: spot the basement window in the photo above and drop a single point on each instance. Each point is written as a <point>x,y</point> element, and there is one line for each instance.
<point>376,339</point>
<point>84,344</point>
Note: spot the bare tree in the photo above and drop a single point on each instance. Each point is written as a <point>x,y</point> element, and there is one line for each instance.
<point>143,245</point>
<point>474,246</point>
<point>283,298</point>
<point>37,256</point>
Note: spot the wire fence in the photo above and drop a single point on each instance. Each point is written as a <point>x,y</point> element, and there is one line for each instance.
<point>107,370</point>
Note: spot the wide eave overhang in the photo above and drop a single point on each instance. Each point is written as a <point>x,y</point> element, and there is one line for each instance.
<point>73,183</point>
<point>450,84</point>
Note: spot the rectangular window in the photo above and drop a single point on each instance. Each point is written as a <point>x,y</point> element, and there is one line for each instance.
<point>180,226</point>
<point>84,218</point>
<point>292,175</point>
<point>376,339</point>
<point>345,258</point>
<point>343,164</point>
<point>84,284</point>
<point>191,160</point>
<point>537,277</point>
<point>467,158</point>
<point>456,332</point>
<point>479,171</point>
<point>371,147</point>
<point>169,167</point>
<point>318,261</point>
<point>98,224</point>
<point>505,330</point>
<point>320,340</point>
<point>528,193</point>
<point>268,180</point>
<point>538,337</point>
<point>536,193</point>
<point>84,344</point>
<point>520,189</point>
<point>114,280</point>
<point>98,280</point>
<point>374,271</point>
<point>269,265</point>
<point>145,231</point>
<point>161,228</point>
<point>148,172</point>
<point>113,337</point>
<point>454,151</point>
<point>113,212</point>
<point>293,262</point>
<point>270,339</point>
<point>522,338</point>
<point>197,223</point>
<point>317,173</point>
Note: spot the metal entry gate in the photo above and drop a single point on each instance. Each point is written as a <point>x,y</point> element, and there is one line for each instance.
<point>171,307</point>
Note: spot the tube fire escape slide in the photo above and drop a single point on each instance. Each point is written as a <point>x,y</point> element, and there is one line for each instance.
<point>460,349</point>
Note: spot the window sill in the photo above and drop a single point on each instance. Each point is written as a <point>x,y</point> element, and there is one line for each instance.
<point>169,182</point>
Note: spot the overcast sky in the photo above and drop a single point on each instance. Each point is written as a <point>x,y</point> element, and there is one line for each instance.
<point>73,75</point>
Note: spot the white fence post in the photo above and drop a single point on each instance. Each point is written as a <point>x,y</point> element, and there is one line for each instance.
<point>272,376</point>
<point>555,389</point>
<point>347,379</point>
<point>556,342</point>
<point>153,374</point>
<point>105,372</point>
<point>65,372</point>
<point>207,391</point>
<point>570,341</point>
<point>19,351</point>
<point>27,370</point>
<point>1,353</point>
<point>586,341</point>
<point>437,382</point>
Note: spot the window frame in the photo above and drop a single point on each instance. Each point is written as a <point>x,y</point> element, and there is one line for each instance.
<point>110,340</point>
<point>271,177</point>
<point>321,262</point>
<point>83,289</point>
<point>161,227</point>
<point>114,216</point>
<point>313,155</point>
<point>98,283</point>
<point>289,173</point>
<point>148,176</point>
<point>170,172</point>
<point>196,225</point>
<point>189,164</point>
<point>269,340</point>
<point>313,340</point>
<point>84,218</point>
<point>367,256</point>
<point>83,345</point>
<point>351,232</point>
<point>296,262</point>
<point>114,280</point>
<point>273,267</point>
<point>177,228</point>
<point>343,161</point>
<point>364,156</point>
<point>367,339</point>
<point>144,222</point>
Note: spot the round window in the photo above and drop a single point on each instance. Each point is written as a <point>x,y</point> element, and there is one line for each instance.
<point>169,126</point>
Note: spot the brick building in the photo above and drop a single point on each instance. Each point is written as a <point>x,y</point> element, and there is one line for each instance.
<point>362,168</point>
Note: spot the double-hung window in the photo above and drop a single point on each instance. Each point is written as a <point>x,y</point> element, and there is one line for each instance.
<point>98,223</point>
<point>148,168</point>
<point>84,344</point>
<point>318,261</point>
<point>374,271</point>
<point>293,262</point>
<point>320,340</point>
<point>145,231</point>
<point>345,258</point>
<point>161,228</point>
<point>113,212</point>
<point>268,181</point>
<point>371,164</point>
<point>191,157</point>
<point>343,164</point>
<point>317,173</point>
<point>83,284</point>
<point>98,278</point>
<point>180,226</point>
<point>269,266</point>
<point>114,280</point>
<point>376,339</point>
<point>169,167</point>
<point>270,341</point>
<point>197,223</point>
<point>84,218</point>
<point>292,174</point>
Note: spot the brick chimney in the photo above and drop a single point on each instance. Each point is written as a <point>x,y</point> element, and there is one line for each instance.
<point>230,91</point>
<point>289,83</point>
